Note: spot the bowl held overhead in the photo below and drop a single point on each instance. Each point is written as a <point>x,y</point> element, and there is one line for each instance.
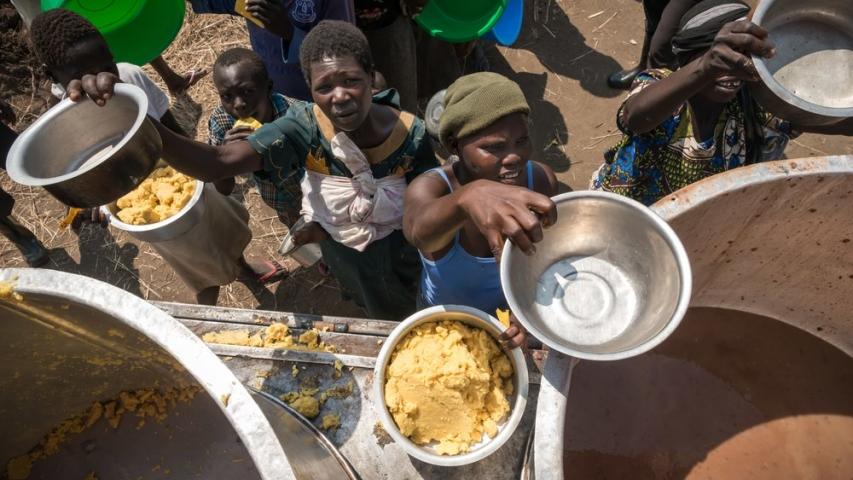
<point>810,80</point>
<point>84,166</point>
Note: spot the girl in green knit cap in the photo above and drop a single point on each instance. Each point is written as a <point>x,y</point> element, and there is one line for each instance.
<point>459,215</point>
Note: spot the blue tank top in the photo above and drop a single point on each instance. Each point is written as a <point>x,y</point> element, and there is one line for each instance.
<point>459,278</point>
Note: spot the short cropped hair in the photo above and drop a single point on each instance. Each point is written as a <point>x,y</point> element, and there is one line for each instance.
<point>55,32</point>
<point>243,56</point>
<point>334,39</point>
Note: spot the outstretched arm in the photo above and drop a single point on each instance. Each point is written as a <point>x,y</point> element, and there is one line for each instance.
<point>432,217</point>
<point>205,162</point>
<point>196,159</point>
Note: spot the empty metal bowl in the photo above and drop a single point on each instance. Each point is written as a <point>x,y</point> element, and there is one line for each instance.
<point>810,80</point>
<point>86,155</point>
<point>487,446</point>
<point>610,279</point>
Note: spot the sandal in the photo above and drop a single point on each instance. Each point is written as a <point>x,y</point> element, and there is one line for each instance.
<point>276,272</point>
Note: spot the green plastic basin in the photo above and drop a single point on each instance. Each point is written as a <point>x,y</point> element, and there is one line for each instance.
<point>137,31</point>
<point>460,20</point>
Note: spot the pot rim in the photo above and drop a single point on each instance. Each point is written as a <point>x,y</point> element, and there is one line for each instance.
<point>15,158</point>
<point>780,91</point>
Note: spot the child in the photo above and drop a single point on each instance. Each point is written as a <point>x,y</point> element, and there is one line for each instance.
<point>69,46</point>
<point>459,215</point>
<point>204,257</point>
<point>245,92</point>
<point>337,65</point>
<point>175,82</point>
<point>277,29</point>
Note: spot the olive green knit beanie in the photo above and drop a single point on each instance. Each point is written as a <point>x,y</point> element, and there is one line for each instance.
<point>475,101</point>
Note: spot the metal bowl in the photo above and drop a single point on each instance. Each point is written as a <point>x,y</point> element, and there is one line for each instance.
<point>610,280</point>
<point>810,80</point>
<point>168,229</point>
<point>86,155</point>
<point>487,446</point>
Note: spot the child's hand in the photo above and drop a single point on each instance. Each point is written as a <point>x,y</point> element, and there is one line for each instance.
<point>273,15</point>
<point>515,335</point>
<point>99,88</point>
<point>310,232</point>
<point>237,133</point>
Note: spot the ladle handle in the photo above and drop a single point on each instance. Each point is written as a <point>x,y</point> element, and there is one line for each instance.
<point>551,416</point>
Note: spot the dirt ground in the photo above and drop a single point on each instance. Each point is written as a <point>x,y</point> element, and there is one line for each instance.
<point>562,59</point>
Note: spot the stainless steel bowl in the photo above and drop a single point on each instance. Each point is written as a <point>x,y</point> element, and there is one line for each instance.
<point>170,228</point>
<point>810,80</point>
<point>86,155</point>
<point>609,281</point>
<point>475,318</point>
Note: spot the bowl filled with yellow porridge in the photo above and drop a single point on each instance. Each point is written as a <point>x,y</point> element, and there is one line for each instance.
<point>164,206</point>
<point>447,391</point>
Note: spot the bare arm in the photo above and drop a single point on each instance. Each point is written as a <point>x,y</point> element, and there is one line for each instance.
<point>196,159</point>
<point>432,217</point>
<point>649,108</point>
<point>428,205</point>
<point>273,15</point>
<point>205,162</point>
<point>544,180</point>
<point>169,121</point>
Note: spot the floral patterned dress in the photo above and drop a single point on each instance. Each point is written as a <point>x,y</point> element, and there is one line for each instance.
<point>649,166</point>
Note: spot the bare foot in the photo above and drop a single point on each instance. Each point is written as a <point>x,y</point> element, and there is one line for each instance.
<point>181,83</point>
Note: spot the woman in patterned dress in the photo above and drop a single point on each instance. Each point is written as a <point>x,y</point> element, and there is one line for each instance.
<point>680,127</point>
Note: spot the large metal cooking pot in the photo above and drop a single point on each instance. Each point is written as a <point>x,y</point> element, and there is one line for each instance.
<point>810,80</point>
<point>771,239</point>
<point>73,340</point>
<point>86,155</point>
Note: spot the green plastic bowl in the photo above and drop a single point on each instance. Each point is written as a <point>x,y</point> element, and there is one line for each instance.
<point>460,20</point>
<point>137,31</point>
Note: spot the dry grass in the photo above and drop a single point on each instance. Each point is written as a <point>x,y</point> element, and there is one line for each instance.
<point>201,40</point>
